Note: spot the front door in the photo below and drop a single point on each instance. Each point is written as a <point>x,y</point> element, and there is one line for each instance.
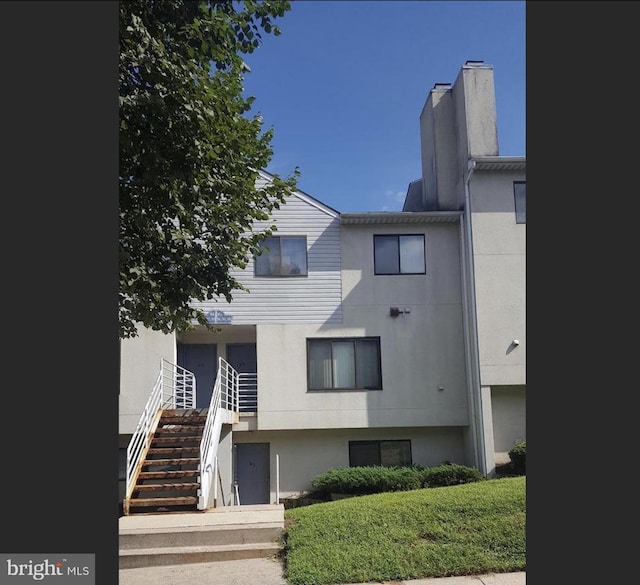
<point>201,359</point>
<point>252,472</point>
<point>243,358</point>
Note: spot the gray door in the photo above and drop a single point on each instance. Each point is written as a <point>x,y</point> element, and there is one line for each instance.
<point>252,472</point>
<point>242,356</point>
<point>202,360</point>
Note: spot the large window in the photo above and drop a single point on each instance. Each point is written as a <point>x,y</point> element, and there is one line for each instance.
<point>282,256</point>
<point>520,194</point>
<point>402,254</point>
<point>344,363</point>
<point>389,453</point>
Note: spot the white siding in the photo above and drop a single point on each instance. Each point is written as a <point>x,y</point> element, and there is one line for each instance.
<point>316,298</point>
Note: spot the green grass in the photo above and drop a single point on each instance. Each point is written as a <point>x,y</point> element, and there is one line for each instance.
<point>467,529</point>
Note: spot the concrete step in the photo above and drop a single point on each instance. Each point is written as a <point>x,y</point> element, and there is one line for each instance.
<point>226,515</point>
<point>219,534</point>
<point>203,536</point>
<point>155,557</point>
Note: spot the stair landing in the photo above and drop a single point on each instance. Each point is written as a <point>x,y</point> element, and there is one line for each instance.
<point>222,516</point>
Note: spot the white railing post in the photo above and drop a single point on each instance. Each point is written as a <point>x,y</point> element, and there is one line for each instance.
<point>215,483</point>
<point>277,478</point>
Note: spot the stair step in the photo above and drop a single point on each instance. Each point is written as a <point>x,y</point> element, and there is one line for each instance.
<point>167,474</point>
<point>177,461</point>
<point>183,420</point>
<point>175,439</point>
<point>212,535</point>
<point>185,411</point>
<point>171,450</point>
<point>152,487</point>
<point>181,429</point>
<point>160,502</point>
<point>151,557</point>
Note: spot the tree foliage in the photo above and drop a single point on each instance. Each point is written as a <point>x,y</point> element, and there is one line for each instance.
<point>189,156</point>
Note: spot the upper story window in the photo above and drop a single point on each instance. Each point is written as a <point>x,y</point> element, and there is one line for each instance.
<point>520,194</point>
<point>401,254</point>
<point>282,256</point>
<point>344,363</point>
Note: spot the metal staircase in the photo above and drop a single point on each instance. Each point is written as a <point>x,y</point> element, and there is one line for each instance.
<point>171,458</point>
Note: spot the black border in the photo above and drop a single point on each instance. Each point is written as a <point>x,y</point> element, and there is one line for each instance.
<point>60,265</point>
<point>582,121</point>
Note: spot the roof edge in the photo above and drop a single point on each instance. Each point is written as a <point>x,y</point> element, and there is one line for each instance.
<point>305,197</point>
<point>382,217</point>
<point>499,163</point>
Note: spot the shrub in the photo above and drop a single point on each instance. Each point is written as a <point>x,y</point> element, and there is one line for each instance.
<point>518,456</point>
<point>449,474</point>
<point>367,480</point>
<point>377,478</point>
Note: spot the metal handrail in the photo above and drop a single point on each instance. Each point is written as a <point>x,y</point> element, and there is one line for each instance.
<point>248,392</point>
<point>224,395</point>
<point>175,387</point>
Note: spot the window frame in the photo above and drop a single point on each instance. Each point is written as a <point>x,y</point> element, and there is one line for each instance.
<point>331,340</point>
<point>280,238</point>
<point>379,443</point>
<point>400,273</point>
<point>520,202</point>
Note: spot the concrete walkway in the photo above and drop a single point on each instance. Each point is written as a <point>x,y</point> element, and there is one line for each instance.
<point>270,572</point>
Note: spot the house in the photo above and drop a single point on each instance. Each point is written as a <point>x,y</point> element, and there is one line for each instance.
<point>386,338</point>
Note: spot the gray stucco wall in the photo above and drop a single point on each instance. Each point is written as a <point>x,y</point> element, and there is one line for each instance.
<point>499,249</point>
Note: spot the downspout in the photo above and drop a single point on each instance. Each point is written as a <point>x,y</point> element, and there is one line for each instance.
<point>472,332</point>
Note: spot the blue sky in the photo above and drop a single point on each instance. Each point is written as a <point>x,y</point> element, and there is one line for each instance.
<point>344,84</point>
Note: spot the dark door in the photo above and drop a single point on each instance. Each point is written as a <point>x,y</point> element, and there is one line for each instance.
<point>252,472</point>
<point>243,358</point>
<point>201,359</point>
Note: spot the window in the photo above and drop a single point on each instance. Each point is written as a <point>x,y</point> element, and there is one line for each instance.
<point>389,453</point>
<point>282,256</point>
<point>344,363</point>
<point>399,254</point>
<point>520,194</point>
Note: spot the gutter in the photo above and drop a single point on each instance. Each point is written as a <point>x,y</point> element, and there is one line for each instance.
<point>472,330</point>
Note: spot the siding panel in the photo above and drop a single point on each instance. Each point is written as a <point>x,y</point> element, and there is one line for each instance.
<point>316,298</point>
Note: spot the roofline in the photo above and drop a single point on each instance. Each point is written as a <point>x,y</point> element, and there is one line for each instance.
<point>306,197</point>
<point>386,217</point>
<point>499,163</point>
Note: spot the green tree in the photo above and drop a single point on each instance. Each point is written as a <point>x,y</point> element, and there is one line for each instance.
<point>189,156</point>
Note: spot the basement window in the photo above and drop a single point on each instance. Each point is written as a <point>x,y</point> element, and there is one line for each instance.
<point>387,453</point>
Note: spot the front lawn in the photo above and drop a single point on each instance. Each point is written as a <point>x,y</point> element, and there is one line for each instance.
<point>465,529</point>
